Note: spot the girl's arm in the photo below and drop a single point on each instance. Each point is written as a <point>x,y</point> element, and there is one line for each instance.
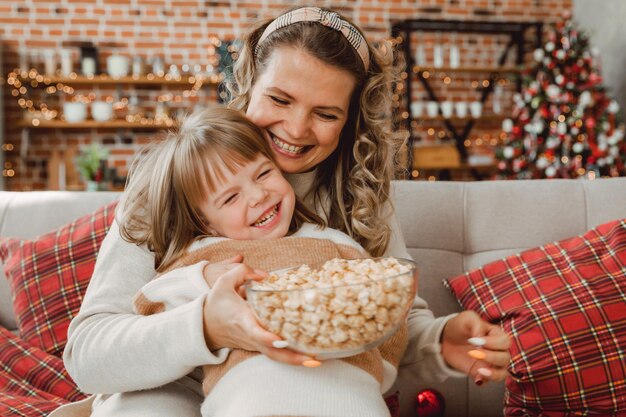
<point>110,349</point>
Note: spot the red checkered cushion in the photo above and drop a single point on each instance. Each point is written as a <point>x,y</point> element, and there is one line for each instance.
<point>32,382</point>
<point>564,305</point>
<point>49,275</point>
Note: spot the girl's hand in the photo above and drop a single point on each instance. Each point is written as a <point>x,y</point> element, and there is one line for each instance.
<point>486,358</point>
<point>212,271</point>
<point>230,322</point>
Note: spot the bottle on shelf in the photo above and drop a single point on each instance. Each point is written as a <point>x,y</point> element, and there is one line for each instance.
<point>50,62</point>
<point>67,62</point>
<point>438,52</point>
<point>455,57</point>
<point>139,67</point>
<point>89,60</point>
<point>420,55</point>
<point>158,66</point>
<point>498,92</point>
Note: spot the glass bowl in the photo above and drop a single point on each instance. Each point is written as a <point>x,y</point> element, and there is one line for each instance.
<point>343,308</point>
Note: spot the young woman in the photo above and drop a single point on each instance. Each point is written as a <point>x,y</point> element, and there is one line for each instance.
<point>321,94</point>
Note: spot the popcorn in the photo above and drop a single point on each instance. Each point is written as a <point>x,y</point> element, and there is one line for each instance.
<point>346,305</point>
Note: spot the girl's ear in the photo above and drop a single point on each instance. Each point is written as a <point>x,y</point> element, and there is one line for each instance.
<point>208,230</point>
<point>211,232</point>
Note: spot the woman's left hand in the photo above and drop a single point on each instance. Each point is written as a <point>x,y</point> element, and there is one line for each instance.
<point>487,358</point>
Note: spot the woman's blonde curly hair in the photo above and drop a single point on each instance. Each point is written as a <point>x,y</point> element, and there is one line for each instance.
<point>357,175</point>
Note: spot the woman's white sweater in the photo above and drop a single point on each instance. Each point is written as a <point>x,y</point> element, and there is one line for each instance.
<point>110,349</point>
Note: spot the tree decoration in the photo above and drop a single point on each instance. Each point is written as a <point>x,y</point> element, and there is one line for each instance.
<point>564,123</point>
<point>429,403</point>
<point>226,53</point>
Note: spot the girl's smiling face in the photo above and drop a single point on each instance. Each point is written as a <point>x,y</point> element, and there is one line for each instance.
<point>255,202</point>
<point>302,104</point>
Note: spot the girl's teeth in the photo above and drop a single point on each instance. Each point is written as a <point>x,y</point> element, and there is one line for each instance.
<point>267,218</point>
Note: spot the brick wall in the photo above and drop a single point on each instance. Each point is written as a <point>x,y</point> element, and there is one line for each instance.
<point>179,31</point>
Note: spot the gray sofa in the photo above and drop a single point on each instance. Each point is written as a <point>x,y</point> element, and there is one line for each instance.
<point>448,227</point>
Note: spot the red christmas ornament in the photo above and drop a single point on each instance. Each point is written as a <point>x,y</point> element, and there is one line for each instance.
<point>429,403</point>
<point>595,78</point>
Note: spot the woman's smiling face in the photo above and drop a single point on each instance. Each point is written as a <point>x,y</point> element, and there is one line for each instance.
<point>302,104</point>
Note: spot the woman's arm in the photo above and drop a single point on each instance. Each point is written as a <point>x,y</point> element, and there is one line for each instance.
<point>110,349</point>
<point>424,350</point>
<point>439,347</point>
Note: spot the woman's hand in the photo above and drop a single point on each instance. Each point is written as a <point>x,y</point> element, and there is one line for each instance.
<point>230,322</point>
<point>486,358</point>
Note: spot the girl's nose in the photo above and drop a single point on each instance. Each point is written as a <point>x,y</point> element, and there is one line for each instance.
<point>258,195</point>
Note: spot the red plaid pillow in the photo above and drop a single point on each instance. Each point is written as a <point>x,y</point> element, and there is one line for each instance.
<point>32,382</point>
<point>564,306</point>
<point>48,277</point>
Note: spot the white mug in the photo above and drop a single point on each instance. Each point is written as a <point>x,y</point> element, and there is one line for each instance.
<point>74,111</point>
<point>417,108</point>
<point>101,111</point>
<point>446,109</point>
<point>432,108</point>
<point>117,66</point>
<point>476,109</point>
<point>460,108</point>
<point>88,66</point>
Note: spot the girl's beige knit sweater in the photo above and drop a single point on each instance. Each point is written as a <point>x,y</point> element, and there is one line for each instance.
<point>231,388</point>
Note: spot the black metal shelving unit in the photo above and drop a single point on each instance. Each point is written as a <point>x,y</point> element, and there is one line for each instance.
<point>517,32</point>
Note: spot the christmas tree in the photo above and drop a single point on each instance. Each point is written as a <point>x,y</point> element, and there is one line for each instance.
<point>564,125</point>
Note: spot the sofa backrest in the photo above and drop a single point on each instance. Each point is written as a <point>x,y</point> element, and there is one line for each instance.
<point>30,214</point>
<point>453,227</point>
<point>449,228</point>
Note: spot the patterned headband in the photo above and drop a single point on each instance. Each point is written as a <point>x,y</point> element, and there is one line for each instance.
<point>326,18</point>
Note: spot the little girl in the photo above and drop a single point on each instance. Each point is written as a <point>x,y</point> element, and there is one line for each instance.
<point>208,193</point>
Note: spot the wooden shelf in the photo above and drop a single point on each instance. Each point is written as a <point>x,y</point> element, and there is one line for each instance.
<point>469,70</point>
<point>454,119</point>
<point>462,167</point>
<point>487,118</point>
<point>90,124</point>
<point>106,80</point>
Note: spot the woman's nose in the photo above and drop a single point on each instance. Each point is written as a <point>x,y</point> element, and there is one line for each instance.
<point>297,124</point>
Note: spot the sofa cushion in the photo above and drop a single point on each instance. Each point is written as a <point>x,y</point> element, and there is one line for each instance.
<point>564,306</point>
<point>49,275</point>
<point>32,382</point>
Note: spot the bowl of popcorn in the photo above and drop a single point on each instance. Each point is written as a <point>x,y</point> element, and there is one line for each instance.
<point>339,309</point>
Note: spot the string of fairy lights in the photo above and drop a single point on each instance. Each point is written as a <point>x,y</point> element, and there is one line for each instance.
<point>25,82</point>
<point>33,91</point>
<point>221,55</point>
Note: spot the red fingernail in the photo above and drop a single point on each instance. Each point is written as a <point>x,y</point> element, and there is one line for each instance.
<point>478,381</point>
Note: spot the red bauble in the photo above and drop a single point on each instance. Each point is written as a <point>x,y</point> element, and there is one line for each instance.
<point>429,403</point>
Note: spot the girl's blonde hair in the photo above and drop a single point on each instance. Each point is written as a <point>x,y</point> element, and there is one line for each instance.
<point>171,178</point>
<point>357,175</point>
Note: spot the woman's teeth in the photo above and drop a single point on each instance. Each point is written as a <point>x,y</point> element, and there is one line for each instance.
<point>267,218</point>
<point>287,147</point>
